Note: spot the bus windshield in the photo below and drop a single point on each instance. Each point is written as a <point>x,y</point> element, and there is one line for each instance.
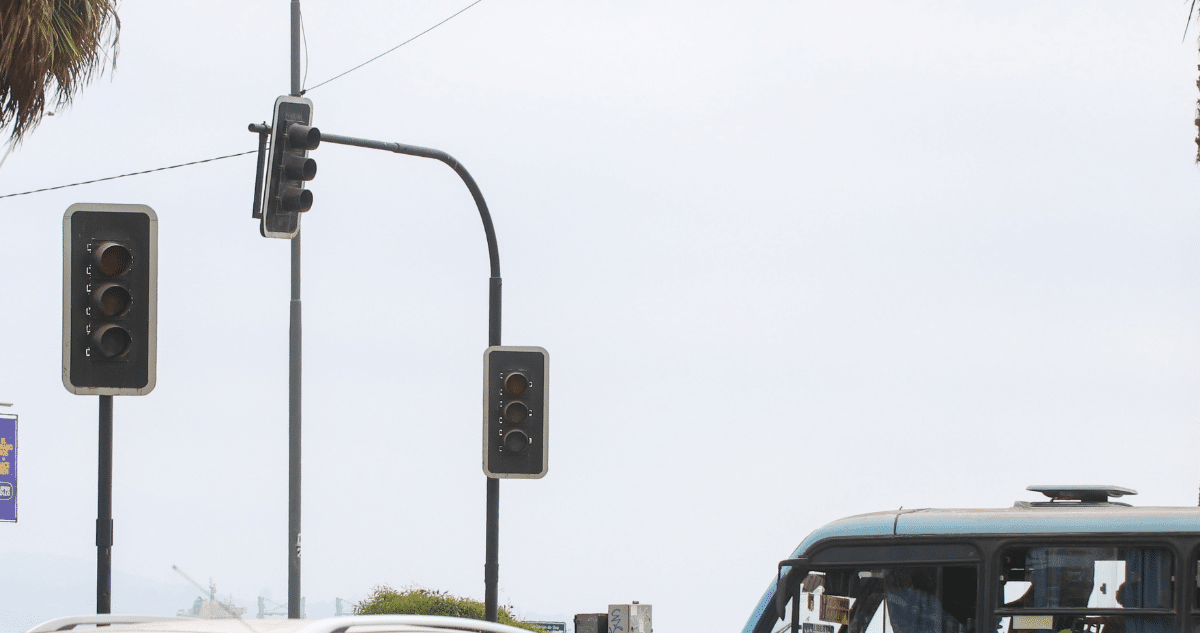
<point>916,599</point>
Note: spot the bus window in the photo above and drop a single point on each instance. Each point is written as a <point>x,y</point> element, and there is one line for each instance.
<point>922,599</point>
<point>1075,589</point>
<point>1196,596</point>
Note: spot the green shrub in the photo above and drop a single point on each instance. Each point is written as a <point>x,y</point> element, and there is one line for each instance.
<point>422,601</point>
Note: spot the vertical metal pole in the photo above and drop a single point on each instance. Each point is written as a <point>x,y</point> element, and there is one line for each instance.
<point>104,520</point>
<point>295,57</point>
<point>294,442</point>
<point>491,564</point>
<point>295,609</point>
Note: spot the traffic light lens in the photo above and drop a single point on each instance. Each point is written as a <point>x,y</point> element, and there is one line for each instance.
<point>516,384</point>
<point>113,259</point>
<point>112,300</point>
<point>111,340</point>
<point>515,441</point>
<point>516,412</point>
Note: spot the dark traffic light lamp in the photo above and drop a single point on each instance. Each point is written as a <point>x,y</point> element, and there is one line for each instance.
<point>110,299</point>
<point>289,167</point>
<point>515,439</point>
<point>110,278</point>
<point>515,415</point>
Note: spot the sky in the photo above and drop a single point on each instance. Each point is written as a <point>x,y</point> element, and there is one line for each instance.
<point>791,260</point>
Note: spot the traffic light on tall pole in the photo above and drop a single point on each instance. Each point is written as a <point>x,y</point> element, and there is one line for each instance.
<point>515,415</point>
<point>289,167</point>
<point>110,302</point>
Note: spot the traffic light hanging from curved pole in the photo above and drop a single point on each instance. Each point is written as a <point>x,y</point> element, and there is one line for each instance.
<point>515,412</point>
<point>289,167</point>
<point>110,286</point>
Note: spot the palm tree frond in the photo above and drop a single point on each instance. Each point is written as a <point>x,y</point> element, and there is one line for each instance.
<point>49,49</point>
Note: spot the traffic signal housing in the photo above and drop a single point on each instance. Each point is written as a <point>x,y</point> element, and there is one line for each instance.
<point>289,167</point>
<point>515,412</point>
<point>110,299</point>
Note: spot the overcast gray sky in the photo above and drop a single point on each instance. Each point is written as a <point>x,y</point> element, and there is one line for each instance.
<point>791,260</point>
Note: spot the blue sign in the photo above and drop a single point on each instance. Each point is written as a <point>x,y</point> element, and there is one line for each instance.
<point>8,468</point>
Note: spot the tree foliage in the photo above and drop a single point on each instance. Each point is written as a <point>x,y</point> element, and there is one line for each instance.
<point>48,50</point>
<point>422,601</point>
<point>1192,12</point>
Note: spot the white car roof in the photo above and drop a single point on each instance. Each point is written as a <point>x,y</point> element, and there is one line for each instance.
<point>118,623</point>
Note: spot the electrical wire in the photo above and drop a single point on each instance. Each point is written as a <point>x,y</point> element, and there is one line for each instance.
<point>136,173</point>
<point>393,48</point>
<point>304,38</point>
<point>209,160</point>
<point>1191,12</point>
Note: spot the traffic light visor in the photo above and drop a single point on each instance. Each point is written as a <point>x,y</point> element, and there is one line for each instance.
<point>299,167</point>
<point>302,136</point>
<point>295,199</point>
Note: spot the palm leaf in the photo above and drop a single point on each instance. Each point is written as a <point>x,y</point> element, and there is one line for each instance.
<point>49,49</point>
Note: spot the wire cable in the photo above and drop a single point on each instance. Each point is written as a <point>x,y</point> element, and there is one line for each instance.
<point>209,160</point>
<point>1191,12</point>
<point>252,151</point>
<point>136,173</point>
<point>304,38</point>
<point>392,49</point>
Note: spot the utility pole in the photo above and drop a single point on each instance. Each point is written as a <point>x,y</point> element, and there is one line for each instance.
<point>294,365</point>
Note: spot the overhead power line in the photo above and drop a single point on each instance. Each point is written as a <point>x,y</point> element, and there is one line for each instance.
<point>209,160</point>
<point>136,173</point>
<point>391,49</point>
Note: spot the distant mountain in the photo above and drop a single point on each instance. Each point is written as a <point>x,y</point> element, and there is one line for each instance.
<point>39,587</point>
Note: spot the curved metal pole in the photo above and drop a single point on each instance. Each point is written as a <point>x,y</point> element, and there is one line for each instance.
<point>436,154</point>
<point>491,565</point>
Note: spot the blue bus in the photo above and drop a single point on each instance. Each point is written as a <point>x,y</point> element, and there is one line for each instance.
<point>1079,562</point>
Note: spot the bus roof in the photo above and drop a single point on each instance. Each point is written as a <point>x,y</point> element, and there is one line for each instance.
<point>1088,517</point>
<point>1064,519</point>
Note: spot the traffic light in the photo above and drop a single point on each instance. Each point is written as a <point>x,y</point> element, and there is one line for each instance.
<point>289,167</point>
<point>110,299</point>
<point>515,415</point>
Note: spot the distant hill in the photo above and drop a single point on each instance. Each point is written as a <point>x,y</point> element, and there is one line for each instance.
<point>38,587</point>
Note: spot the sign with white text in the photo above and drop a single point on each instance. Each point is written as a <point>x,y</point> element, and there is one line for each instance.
<point>8,468</point>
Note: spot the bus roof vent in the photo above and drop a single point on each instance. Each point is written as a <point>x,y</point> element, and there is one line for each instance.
<point>1077,496</point>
